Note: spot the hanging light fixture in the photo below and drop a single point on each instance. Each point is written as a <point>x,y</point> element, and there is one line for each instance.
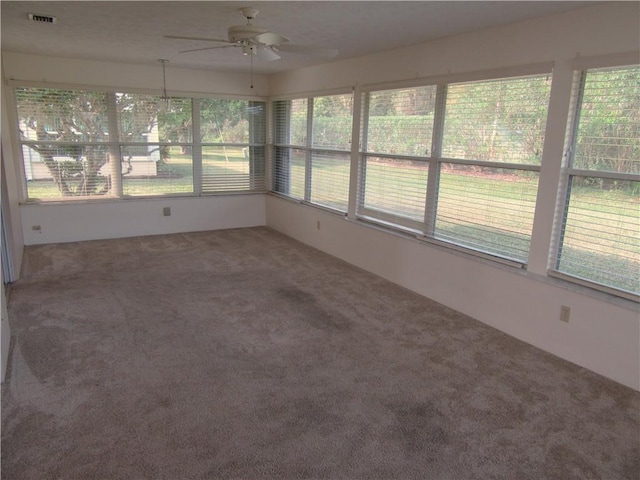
<point>164,98</point>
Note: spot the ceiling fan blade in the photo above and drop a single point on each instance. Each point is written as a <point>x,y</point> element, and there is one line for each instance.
<point>267,54</point>
<point>206,48</point>
<point>200,39</point>
<point>269,39</point>
<point>306,50</point>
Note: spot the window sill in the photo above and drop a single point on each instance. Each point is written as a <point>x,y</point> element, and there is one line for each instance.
<point>132,198</point>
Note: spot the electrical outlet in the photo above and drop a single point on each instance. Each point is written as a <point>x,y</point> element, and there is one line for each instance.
<point>565,313</point>
<point>166,211</point>
<point>318,224</point>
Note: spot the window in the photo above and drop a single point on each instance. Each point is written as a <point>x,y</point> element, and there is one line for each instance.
<point>457,163</point>
<point>599,237</point>
<point>233,145</point>
<point>492,140</point>
<point>312,149</point>
<point>98,144</point>
<point>398,129</point>
<point>65,142</point>
<point>156,145</point>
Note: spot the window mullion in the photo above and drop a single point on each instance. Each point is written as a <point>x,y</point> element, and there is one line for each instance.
<point>115,162</point>
<point>354,187</point>
<point>433,178</point>
<point>309,145</point>
<point>196,149</point>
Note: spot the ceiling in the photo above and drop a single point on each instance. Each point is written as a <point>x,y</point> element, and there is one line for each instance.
<point>132,31</point>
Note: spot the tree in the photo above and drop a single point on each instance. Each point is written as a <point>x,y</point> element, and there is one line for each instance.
<point>67,124</point>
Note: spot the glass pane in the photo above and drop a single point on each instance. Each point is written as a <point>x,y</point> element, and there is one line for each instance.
<point>608,135</point>
<point>226,169</point>
<point>498,121</point>
<point>395,190</point>
<point>330,180</point>
<point>289,171</point>
<point>145,118</point>
<point>487,209</point>
<point>332,122</point>
<point>61,171</point>
<point>401,121</point>
<point>231,121</point>
<point>50,115</point>
<point>601,240</point>
<point>156,170</point>
<point>290,122</point>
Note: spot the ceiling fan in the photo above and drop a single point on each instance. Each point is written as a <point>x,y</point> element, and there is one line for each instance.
<point>258,41</point>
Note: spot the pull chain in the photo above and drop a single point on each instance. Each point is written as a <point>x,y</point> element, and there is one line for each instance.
<point>251,55</point>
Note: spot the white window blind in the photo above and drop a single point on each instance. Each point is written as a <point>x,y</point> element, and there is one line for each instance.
<point>332,118</point>
<point>497,120</point>
<point>458,163</point>
<point>64,137</point>
<point>233,145</point>
<point>400,121</point>
<point>398,124</point>
<point>289,171</point>
<point>487,209</point>
<point>600,235</point>
<point>156,144</point>
<point>394,191</point>
<point>330,179</point>
<point>90,144</point>
<point>290,128</point>
<point>311,153</point>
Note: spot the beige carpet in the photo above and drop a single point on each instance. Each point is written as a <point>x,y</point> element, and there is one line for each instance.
<point>244,354</point>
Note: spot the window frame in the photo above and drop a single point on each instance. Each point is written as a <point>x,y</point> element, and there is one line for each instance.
<point>435,160</point>
<point>116,193</point>
<point>568,172</point>
<point>308,149</point>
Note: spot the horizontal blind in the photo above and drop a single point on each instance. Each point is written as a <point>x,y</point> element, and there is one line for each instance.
<point>229,169</point>
<point>498,121</point>
<point>600,239</point>
<point>601,233</point>
<point>289,171</point>
<point>486,209</point>
<point>394,191</point>
<point>330,179</point>
<point>63,135</point>
<point>146,118</point>
<point>401,121</point>
<point>290,122</point>
<point>154,169</point>
<point>332,122</point>
<point>608,130</point>
<point>233,145</point>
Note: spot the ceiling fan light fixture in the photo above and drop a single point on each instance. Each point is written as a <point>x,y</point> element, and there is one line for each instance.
<point>249,49</point>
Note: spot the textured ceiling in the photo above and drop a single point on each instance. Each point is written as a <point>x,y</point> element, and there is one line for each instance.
<point>132,31</point>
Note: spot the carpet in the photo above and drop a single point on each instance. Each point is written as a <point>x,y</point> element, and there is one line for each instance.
<point>245,354</point>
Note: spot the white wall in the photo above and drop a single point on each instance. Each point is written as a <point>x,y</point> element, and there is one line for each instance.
<point>604,332</point>
<point>125,218</point>
<point>67,71</point>
<point>80,221</point>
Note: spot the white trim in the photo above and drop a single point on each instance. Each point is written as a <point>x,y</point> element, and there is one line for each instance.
<point>140,91</point>
<point>474,76</point>
<point>604,61</point>
<point>314,94</point>
<point>593,285</point>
